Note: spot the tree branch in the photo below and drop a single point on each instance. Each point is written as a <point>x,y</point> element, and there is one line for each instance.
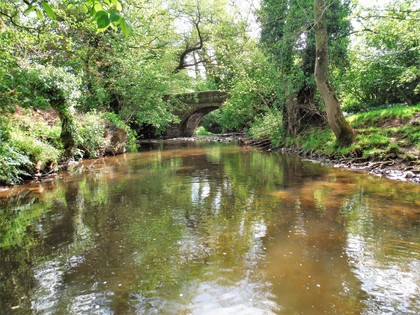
<point>189,49</point>
<point>11,19</point>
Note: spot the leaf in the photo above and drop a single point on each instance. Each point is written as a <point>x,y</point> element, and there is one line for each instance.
<point>98,7</point>
<point>126,27</point>
<point>102,19</point>
<point>48,10</point>
<point>85,9</point>
<point>117,5</point>
<point>39,14</point>
<point>115,17</point>
<point>29,9</point>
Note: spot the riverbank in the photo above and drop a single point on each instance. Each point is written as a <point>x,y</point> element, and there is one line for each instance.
<point>396,169</point>
<point>387,144</point>
<point>31,146</point>
<point>392,168</point>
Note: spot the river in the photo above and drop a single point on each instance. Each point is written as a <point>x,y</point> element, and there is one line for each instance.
<point>208,228</point>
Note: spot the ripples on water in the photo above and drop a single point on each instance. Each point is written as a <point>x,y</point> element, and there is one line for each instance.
<point>210,229</point>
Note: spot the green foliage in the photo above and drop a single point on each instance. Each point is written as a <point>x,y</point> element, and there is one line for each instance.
<point>384,58</point>
<point>201,131</point>
<point>374,139</point>
<point>140,90</point>
<point>288,36</point>
<point>90,129</point>
<point>115,120</point>
<point>269,125</point>
<point>37,140</point>
<point>31,142</point>
<point>251,92</point>
<point>320,141</point>
<point>105,13</point>
<point>59,88</point>
<point>13,165</point>
<point>211,121</point>
<point>32,124</point>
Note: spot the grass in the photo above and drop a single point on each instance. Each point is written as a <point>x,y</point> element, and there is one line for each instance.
<point>399,112</point>
<point>380,134</point>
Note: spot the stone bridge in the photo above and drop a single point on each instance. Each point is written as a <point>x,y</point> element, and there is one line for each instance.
<point>191,108</point>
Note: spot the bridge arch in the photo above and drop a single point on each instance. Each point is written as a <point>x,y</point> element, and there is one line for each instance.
<point>190,109</point>
<point>189,125</point>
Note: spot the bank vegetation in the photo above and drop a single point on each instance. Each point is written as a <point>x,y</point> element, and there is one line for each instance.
<point>81,79</point>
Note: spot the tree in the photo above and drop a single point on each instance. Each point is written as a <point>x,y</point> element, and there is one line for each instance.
<point>105,13</point>
<point>336,120</point>
<point>384,57</point>
<point>286,33</point>
<point>288,36</point>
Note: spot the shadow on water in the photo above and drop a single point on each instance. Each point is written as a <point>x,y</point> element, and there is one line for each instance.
<point>186,228</point>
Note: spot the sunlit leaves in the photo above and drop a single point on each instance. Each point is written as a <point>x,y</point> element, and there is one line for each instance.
<point>48,10</point>
<point>114,16</point>
<point>385,66</point>
<point>125,27</point>
<point>29,9</point>
<point>102,19</point>
<point>104,13</point>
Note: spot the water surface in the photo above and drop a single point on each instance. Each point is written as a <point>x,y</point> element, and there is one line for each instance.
<point>185,228</point>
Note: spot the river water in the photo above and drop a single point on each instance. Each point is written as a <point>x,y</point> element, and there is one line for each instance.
<point>190,228</point>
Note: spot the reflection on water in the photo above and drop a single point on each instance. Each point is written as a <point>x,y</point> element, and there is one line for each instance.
<point>184,228</point>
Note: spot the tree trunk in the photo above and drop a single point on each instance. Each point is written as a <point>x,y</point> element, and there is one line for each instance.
<point>339,125</point>
<point>68,131</point>
<point>292,115</point>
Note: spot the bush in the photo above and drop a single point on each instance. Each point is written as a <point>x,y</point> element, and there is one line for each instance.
<point>13,165</point>
<point>269,125</point>
<point>201,131</point>
<point>90,129</point>
<point>35,149</point>
<point>35,139</point>
<point>38,128</point>
<point>27,141</point>
<point>211,121</point>
<point>384,62</point>
<point>115,120</point>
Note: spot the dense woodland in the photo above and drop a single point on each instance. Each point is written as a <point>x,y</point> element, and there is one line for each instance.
<point>339,78</point>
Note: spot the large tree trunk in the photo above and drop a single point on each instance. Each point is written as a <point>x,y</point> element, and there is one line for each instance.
<point>339,125</point>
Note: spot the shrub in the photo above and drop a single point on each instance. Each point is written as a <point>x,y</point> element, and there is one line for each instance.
<point>90,134</point>
<point>201,131</point>
<point>35,149</point>
<point>13,165</point>
<point>38,128</point>
<point>115,120</point>
<point>269,125</point>
<point>35,139</point>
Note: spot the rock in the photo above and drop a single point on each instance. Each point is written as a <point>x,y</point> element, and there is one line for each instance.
<point>115,139</point>
<point>39,166</point>
<point>409,175</point>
